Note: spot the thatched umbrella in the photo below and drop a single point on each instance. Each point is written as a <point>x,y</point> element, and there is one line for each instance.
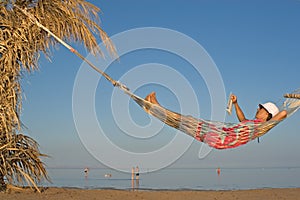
<point>21,42</point>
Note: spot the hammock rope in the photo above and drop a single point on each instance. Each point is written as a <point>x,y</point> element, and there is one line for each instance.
<point>294,96</point>
<point>70,48</point>
<point>219,135</point>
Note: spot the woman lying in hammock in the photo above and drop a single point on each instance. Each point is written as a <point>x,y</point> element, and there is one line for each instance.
<point>265,112</point>
<point>219,135</point>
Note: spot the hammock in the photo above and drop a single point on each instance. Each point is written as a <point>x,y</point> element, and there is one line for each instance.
<point>219,135</point>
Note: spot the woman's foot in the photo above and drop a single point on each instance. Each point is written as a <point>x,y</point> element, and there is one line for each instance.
<point>152,99</point>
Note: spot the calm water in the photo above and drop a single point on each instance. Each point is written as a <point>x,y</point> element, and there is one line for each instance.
<point>176,179</point>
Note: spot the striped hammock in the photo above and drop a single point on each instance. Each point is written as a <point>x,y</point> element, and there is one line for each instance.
<point>219,135</point>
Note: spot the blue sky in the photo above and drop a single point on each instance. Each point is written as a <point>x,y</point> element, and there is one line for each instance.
<point>255,48</point>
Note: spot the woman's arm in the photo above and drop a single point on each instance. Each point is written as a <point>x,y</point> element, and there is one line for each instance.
<point>239,113</point>
<point>279,116</point>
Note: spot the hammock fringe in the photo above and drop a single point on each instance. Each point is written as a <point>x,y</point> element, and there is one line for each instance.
<point>294,96</point>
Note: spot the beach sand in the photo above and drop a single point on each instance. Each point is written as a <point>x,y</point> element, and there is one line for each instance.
<point>82,194</point>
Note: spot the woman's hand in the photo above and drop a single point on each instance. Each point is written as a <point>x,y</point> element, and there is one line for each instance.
<point>233,98</point>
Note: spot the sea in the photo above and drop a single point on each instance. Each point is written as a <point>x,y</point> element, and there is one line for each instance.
<point>177,178</point>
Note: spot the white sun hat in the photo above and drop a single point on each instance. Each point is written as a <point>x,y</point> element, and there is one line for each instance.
<point>271,108</point>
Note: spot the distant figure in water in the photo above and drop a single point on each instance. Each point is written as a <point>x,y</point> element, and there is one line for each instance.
<point>132,177</point>
<point>132,173</point>
<point>86,172</point>
<point>137,176</point>
<point>137,173</point>
<point>107,175</point>
<point>218,171</point>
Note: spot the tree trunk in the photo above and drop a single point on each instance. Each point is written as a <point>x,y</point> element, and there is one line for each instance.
<point>2,183</point>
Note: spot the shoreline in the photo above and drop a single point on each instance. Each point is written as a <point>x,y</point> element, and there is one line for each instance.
<point>164,190</point>
<point>55,193</point>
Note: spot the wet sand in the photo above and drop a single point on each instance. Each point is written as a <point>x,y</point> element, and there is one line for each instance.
<point>94,194</point>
